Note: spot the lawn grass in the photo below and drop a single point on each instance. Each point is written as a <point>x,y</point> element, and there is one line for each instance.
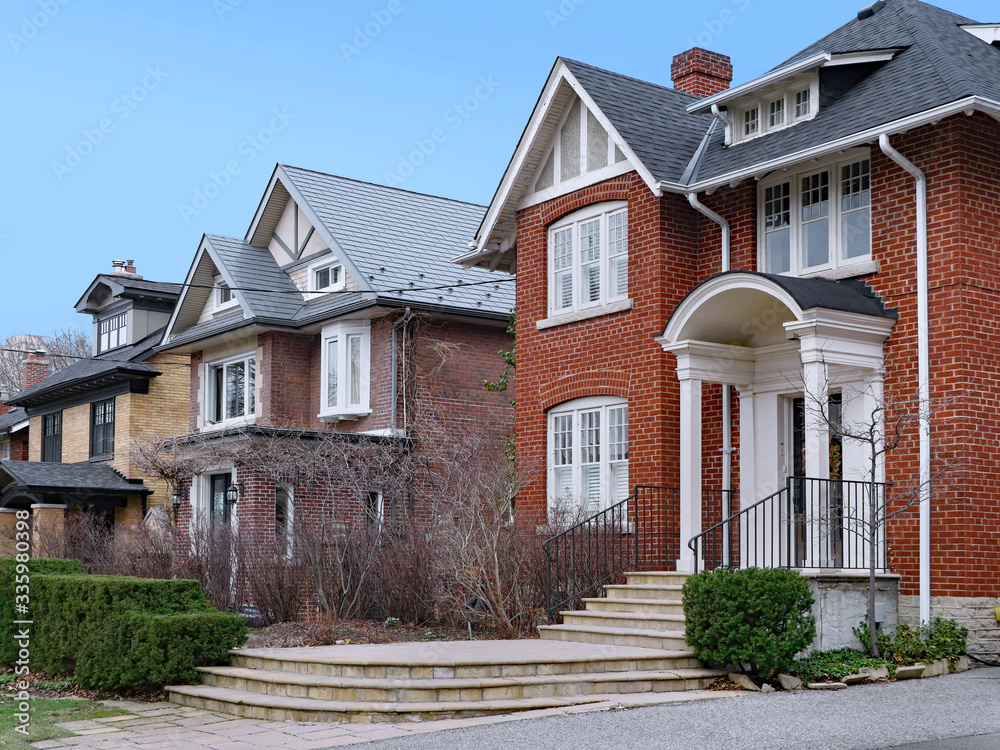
<point>45,714</point>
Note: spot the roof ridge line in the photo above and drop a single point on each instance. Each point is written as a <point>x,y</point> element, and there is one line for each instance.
<point>380,185</point>
<point>670,89</point>
<point>925,38</point>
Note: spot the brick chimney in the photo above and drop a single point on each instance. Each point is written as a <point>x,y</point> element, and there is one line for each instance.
<point>701,73</point>
<point>34,370</point>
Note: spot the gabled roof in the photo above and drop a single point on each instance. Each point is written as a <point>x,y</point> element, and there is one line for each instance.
<point>12,418</point>
<point>396,245</point>
<point>129,286</point>
<point>118,365</point>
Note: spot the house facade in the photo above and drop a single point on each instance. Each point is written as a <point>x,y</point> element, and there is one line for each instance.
<point>80,421</point>
<point>718,288</point>
<point>338,317</point>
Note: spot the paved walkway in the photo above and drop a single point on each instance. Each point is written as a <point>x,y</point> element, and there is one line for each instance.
<point>165,726</point>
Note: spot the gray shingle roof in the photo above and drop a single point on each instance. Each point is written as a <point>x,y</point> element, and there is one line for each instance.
<point>254,268</point>
<point>124,361</point>
<point>941,64</point>
<point>399,239</point>
<point>86,476</point>
<point>652,119</point>
<point>11,418</point>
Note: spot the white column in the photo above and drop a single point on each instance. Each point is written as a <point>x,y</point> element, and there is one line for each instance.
<point>690,455</point>
<point>861,406</point>
<point>748,464</point>
<point>817,440</point>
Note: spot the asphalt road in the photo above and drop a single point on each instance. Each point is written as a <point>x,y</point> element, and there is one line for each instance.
<point>960,712</point>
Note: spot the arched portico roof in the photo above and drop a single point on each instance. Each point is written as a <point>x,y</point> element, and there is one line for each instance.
<point>736,304</point>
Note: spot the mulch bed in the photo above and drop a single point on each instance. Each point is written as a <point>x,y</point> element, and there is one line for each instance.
<point>44,686</point>
<point>724,683</point>
<point>341,632</point>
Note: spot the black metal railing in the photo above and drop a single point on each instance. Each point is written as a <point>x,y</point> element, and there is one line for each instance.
<point>808,523</point>
<point>631,535</point>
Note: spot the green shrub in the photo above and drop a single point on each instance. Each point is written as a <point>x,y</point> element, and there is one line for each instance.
<point>113,632</point>
<point>9,578</point>
<point>753,618</point>
<point>824,666</point>
<point>943,639</point>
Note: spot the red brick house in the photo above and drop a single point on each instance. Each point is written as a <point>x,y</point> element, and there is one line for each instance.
<point>701,266</point>
<point>340,313</point>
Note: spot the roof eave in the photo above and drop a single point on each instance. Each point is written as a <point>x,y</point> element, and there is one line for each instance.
<point>968,105</point>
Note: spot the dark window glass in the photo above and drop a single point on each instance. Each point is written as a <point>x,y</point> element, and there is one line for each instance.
<point>218,504</point>
<point>52,437</point>
<point>102,428</point>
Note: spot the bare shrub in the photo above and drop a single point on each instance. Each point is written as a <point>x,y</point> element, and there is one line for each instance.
<point>407,579</point>
<point>274,578</point>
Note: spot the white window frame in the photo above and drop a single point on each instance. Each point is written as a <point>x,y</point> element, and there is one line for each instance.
<point>5,450</point>
<point>328,262</point>
<point>574,222</point>
<point>217,302</point>
<point>736,129</point>
<point>104,331</point>
<point>343,408</point>
<point>289,517</point>
<point>201,487</point>
<point>836,260</point>
<point>211,397</point>
<point>575,411</point>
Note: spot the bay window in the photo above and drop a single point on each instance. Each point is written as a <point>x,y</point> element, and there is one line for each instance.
<point>818,220</point>
<point>588,258</point>
<point>346,358</point>
<point>230,390</point>
<point>588,453</point>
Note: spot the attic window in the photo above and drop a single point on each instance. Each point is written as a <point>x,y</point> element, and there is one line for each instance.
<point>776,113</point>
<point>770,110</point>
<point>329,278</point>
<point>112,332</point>
<point>223,295</point>
<point>751,122</point>
<point>801,103</point>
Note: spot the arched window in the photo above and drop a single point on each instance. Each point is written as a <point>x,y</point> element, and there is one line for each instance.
<point>588,453</point>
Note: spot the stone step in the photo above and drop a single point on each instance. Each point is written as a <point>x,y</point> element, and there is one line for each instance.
<point>638,638</point>
<point>650,606</point>
<point>657,578</point>
<point>669,592</point>
<point>344,689</point>
<point>629,620</point>
<point>281,708</point>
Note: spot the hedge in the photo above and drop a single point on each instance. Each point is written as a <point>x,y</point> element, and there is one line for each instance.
<point>113,632</point>
<point>8,573</point>
<point>755,618</point>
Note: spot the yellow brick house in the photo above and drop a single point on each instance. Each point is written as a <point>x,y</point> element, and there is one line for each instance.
<point>84,417</point>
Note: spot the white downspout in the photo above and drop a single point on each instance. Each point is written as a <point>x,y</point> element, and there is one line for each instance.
<point>923,375</point>
<point>727,419</point>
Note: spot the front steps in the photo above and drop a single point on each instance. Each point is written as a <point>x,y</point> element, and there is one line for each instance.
<point>645,612</point>
<point>639,626</point>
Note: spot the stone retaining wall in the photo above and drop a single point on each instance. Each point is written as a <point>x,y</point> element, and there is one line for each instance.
<point>975,613</point>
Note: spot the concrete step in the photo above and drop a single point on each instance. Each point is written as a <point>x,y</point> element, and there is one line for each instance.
<point>629,620</point>
<point>655,577</point>
<point>650,606</point>
<point>343,689</point>
<point>281,708</point>
<point>669,592</point>
<point>634,637</point>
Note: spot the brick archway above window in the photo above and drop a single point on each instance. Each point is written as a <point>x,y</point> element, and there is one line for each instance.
<point>580,385</point>
<point>612,190</point>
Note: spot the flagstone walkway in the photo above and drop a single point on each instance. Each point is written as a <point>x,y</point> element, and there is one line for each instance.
<point>166,726</point>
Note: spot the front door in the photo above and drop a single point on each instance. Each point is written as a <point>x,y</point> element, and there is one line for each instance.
<point>817,507</point>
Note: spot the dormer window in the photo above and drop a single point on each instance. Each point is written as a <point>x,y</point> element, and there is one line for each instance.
<point>801,103</point>
<point>112,332</point>
<point>776,113</point>
<point>751,122</point>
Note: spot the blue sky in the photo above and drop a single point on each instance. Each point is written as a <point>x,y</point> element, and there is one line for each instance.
<point>132,127</point>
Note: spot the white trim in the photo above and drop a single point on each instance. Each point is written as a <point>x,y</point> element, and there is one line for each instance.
<point>988,32</point>
<point>210,399</point>
<point>836,263</point>
<point>19,426</point>
<point>560,73</point>
<point>218,306</point>
<point>342,332</point>
<point>807,64</point>
<point>574,184</point>
<point>585,314</point>
<point>327,261</point>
